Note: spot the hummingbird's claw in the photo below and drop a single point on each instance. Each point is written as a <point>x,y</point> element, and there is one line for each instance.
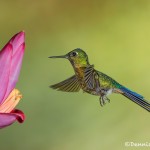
<point>103,99</point>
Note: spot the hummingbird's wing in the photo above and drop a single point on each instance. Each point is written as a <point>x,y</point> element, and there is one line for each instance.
<point>69,85</point>
<point>89,77</point>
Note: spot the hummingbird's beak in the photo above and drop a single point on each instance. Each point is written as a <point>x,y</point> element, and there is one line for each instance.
<point>62,56</point>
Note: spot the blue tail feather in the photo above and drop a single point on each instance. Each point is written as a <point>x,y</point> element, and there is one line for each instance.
<point>135,97</point>
<point>124,89</point>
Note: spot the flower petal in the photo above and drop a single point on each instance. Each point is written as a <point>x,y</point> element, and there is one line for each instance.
<point>20,116</point>
<point>7,119</point>
<point>5,64</point>
<point>15,69</point>
<point>18,46</point>
<point>17,40</point>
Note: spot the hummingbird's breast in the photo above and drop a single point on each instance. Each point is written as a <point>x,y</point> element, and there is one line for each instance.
<point>79,71</point>
<point>80,74</point>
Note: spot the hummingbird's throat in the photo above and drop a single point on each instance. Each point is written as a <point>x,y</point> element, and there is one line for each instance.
<point>77,63</point>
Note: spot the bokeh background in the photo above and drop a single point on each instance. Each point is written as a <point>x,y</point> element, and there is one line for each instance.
<point>116,36</point>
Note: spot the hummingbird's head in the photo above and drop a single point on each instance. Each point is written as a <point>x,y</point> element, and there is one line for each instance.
<point>77,57</point>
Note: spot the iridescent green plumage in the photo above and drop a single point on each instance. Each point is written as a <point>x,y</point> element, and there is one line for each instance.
<point>94,82</point>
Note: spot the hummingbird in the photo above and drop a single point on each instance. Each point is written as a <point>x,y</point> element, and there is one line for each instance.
<point>94,82</point>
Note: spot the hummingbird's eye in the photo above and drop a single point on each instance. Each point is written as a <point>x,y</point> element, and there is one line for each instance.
<point>74,54</point>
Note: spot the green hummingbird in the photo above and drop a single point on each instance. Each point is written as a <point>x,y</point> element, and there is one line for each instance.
<point>93,81</point>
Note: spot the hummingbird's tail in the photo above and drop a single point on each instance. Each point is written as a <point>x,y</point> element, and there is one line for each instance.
<point>136,98</point>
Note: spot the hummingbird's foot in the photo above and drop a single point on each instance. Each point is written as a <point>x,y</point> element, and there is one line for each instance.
<point>103,99</point>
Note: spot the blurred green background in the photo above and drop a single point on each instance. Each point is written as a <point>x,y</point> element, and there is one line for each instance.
<point>116,36</point>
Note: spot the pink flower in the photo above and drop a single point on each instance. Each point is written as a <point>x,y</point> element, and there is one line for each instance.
<point>10,64</point>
